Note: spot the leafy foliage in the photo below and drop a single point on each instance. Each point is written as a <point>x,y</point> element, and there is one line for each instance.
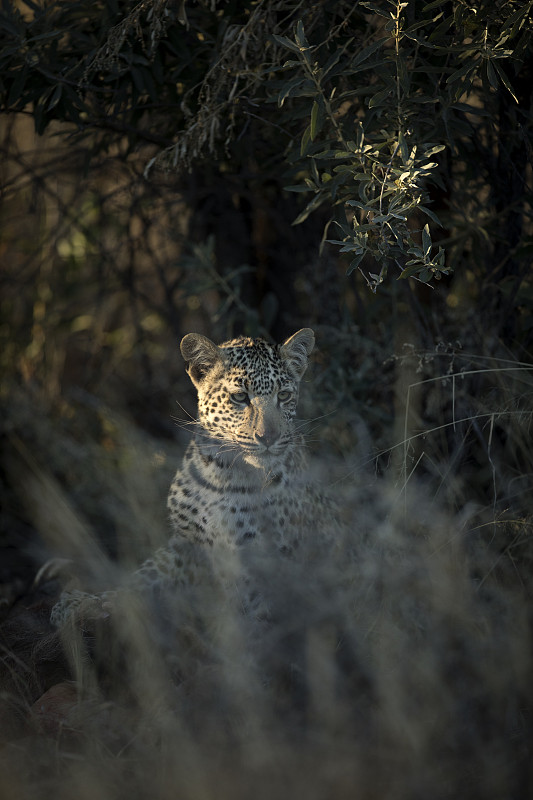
<point>351,103</point>
<point>380,180</point>
<point>380,108</point>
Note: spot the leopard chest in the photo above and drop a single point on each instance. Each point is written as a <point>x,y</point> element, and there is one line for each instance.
<point>207,504</point>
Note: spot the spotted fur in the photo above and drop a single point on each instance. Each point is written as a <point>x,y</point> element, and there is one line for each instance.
<point>242,479</point>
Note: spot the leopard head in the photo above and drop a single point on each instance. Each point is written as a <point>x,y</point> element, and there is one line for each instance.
<point>248,393</point>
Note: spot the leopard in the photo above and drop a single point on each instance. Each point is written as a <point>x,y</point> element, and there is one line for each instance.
<point>236,480</point>
<point>243,483</point>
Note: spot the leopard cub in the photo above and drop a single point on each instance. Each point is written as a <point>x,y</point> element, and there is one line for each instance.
<point>242,483</point>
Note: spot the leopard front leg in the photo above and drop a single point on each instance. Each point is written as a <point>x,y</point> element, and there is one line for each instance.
<point>80,607</point>
<point>167,568</point>
<point>181,564</point>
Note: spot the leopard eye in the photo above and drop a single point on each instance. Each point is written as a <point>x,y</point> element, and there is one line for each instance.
<point>239,397</point>
<point>284,395</point>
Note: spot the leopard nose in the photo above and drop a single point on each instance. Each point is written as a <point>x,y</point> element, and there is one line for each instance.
<point>267,437</point>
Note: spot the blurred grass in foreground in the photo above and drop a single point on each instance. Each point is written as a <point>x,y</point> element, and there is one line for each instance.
<point>396,664</point>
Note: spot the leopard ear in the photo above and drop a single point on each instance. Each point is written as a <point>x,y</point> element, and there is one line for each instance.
<point>296,349</point>
<point>201,355</point>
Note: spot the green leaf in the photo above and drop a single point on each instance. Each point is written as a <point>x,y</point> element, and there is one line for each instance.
<point>343,168</point>
<point>284,42</point>
<point>426,241</point>
<point>357,204</point>
<point>287,89</point>
<point>404,149</point>
<point>297,188</point>
<point>311,206</point>
<point>355,263</point>
<point>436,149</point>
<point>379,98</point>
<point>463,72</point>
<point>505,80</point>
<point>324,236</point>
<point>39,118</point>
<point>431,215</point>
<point>328,66</point>
<point>376,9</point>
<point>409,271</point>
<point>305,140</point>
<point>366,52</point>
<point>55,98</point>
<point>314,128</point>
<point>492,75</point>
<point>300,34</point>
<point>45,36</point>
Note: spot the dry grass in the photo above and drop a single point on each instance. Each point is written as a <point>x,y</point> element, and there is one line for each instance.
<point>395,665</point>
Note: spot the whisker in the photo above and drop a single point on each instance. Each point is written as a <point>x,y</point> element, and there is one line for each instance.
<point>185,411</point>
<point>302,423</point>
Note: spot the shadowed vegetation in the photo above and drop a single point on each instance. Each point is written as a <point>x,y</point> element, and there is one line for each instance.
<point>360,168</point>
